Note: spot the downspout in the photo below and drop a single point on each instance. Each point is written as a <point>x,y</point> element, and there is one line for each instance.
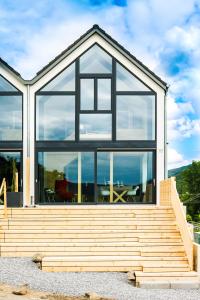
<point>165,136</point>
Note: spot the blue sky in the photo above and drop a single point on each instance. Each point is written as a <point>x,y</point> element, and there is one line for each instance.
<point>164,36</point>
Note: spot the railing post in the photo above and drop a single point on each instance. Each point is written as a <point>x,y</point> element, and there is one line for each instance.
<point>5,199</point>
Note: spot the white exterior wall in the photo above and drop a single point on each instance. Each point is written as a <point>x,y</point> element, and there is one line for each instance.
<point>29,107</point>
<point>22,88</point>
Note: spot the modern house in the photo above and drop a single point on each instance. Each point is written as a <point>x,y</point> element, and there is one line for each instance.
<point>85,142</point>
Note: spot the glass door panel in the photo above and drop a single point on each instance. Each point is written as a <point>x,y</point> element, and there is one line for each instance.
<point>10,169</point>
<point>65,177</point>
<point>125,177</point>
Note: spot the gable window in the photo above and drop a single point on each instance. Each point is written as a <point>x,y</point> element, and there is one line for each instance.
<point>95,99</point>
<point>96,60</point>
<point>11,112</point>
<point>127,81</point>
<point>65,81</point>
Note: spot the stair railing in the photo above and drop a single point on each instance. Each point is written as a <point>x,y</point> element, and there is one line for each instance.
<point>169,193</point>
<point>3,191</point>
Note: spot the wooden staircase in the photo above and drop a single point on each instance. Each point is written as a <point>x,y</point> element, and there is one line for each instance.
<point>96,238</point>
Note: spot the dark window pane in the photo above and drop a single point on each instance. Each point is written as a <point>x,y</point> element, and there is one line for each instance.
<point>55,118</point>
<point>5,86</point>
<point>10,170</point>
<point>95,127</point>
<point>95,60</point>
<point>104,94</point>
<point>87,94</point>
<point>135,117</point>
<point>65,81</point>
<point>11,118</point>
<point>127,82</point>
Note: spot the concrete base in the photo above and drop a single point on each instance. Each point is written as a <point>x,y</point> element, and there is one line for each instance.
<point>185,285</point>
<point>154,285</point>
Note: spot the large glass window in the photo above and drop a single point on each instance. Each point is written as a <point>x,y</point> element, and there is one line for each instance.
<point>135,117</point>
<point>66,177</point>
<point>11,118</point>
<point>95,127</point>
<point>65,81</point>
<point>55,118</point>
<point>96,60</point>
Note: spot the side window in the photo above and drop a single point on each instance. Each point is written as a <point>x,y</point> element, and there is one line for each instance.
<point>11,112</point>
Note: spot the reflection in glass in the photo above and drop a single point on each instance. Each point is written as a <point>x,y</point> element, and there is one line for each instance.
<point>87,94</point>
<point>55,118</point>
<point>65,81</point>
<point>127,82</point>
<point>6,86</point>
<point>136,117</point>
<point>58,176</point>
<point>95,60</point>
<point>127,175</point>
<point>11,118</point>
<point>104,94</point>
<point>10,170</point>
<point>87,177</point>
<point>95,127</point>
<point>103,177</point>
<point>66,177</point>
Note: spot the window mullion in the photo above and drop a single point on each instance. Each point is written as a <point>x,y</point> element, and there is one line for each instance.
<point>95,94</point>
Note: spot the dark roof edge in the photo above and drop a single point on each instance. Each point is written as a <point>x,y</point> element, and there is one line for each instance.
<point>94,29</point>
<point>5,64</point>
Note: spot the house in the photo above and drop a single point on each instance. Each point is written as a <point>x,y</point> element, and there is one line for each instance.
<point>83,149</point>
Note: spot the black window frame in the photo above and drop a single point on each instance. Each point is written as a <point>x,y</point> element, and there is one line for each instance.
<point>97,145</point>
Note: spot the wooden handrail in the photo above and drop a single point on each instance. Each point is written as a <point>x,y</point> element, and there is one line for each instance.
<point>3,191</point>
<point>168,191</point>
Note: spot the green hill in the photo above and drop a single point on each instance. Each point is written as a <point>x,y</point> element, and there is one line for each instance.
<point>177,171</point>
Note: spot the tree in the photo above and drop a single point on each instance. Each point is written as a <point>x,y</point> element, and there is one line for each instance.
<point>188,186</point>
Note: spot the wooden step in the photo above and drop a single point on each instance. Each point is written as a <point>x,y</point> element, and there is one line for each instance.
<point>93,233</point>
<point>169,277</point>
<point>90,221</point>
<point>60,264</point>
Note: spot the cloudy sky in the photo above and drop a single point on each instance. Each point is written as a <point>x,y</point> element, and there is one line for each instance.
<point>164,35</point>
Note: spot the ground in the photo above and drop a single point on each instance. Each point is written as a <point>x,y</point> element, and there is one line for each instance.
<point>16,271</point>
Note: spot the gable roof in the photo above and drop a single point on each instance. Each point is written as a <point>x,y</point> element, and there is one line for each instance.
<point>94,29</point>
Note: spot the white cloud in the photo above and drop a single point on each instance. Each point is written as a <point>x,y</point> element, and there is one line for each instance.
<point>175,159</point>
<point>176,110</point>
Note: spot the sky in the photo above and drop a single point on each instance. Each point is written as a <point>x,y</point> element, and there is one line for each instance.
<point>164,35</point>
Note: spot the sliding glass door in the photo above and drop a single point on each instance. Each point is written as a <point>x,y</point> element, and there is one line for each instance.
<point>96,177</point>
<point>125,177</point>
